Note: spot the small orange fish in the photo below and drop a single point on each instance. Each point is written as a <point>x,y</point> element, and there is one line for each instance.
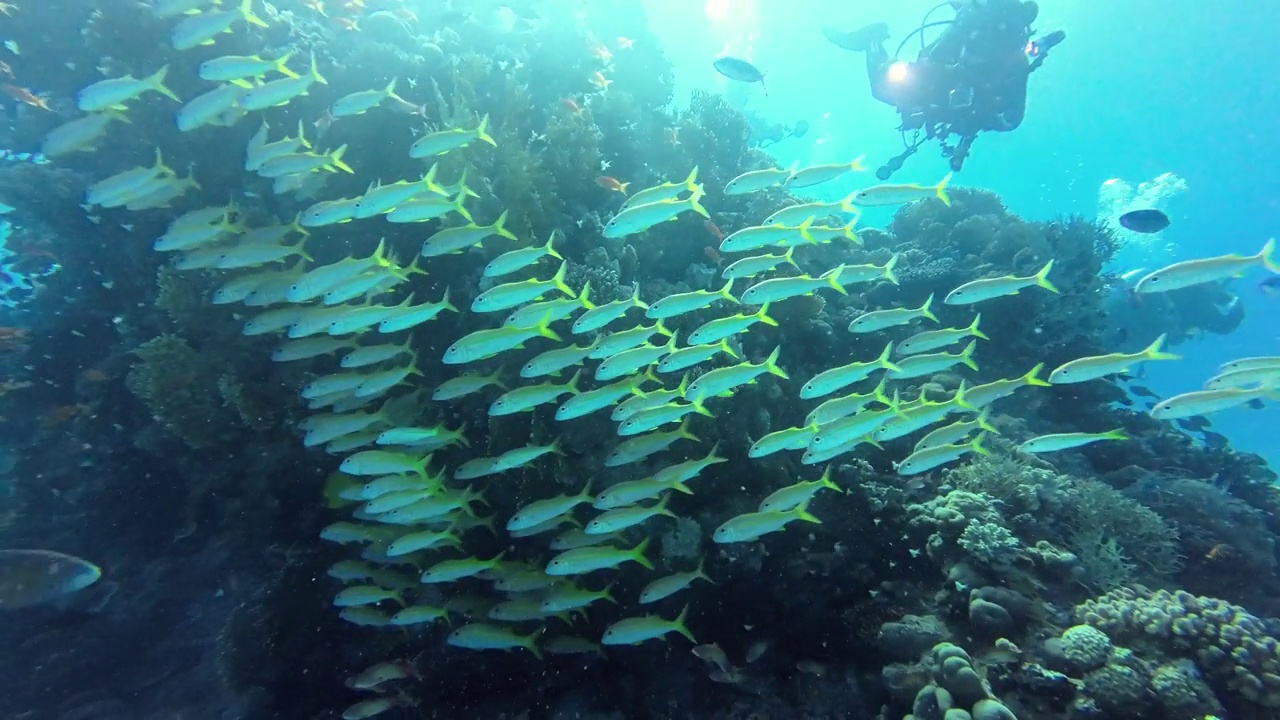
<point>599,80</point>
<point>573,106</point>
<point>601,53</point>
<point>1217,552</point>
<point>625,43</point>
<point>60,415</point>
<point>673,135</point>
<point>26,96</point>
<point>713,229</point>
<point>713,255</point>
<point>611,183</point>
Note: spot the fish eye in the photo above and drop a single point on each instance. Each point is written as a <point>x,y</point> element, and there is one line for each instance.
<point>817,440</point>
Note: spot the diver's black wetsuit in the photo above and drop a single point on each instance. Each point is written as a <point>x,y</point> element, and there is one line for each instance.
<point>972,78</point>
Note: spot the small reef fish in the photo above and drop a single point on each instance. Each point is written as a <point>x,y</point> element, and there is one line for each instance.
<point>112,94</point>
<point>443,141</point>
<point>202,28</point>
<point>1204,402</point>
<point>797,495</point>
<point>751,526</point>
<point>1195,272</point>
<point>818,174</point>
<point>580,561</point>
<point>937,339</point>
<point>1092,368</point>
<point>751,266</point>
<point>739,70</point>
<point>988,288</point>
<point>639,218</point>
<point>1147,220</point>
<point>756,180</point>
<point>612,184</point>
<point>665,587</point>
<point>885,319</point>
<point>480,636</point>
<point>882,195</point>
<point>925,460</point>
<point>829,381</point>
<point>663,191</point>
<point>37,577</point>
<point>725,380</point>
<point>1066,441</point>
<point>633,631</point>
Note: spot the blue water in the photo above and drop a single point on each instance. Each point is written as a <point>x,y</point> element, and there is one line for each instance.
<point>1138,88</point>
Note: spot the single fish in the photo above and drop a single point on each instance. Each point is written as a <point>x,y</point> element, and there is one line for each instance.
<point>882,195</point>
<point>1092,368</point>
<point>479,636</point>
<point>1147,220</point>
<point>925,460</point>
<point>751,526</point>
<point>988,288</point>
<point>1066,441</point>
<point>633,631</point>
<point>818,174</point>
<point>1196,272</point>
<point>740,70</point>
<point>1203,402</point>
<point>797,495</point>
<point>36,577</point>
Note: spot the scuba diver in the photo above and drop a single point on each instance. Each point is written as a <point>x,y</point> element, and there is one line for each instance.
<point>971,79</point>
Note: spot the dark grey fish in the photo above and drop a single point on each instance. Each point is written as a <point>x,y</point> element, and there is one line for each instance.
<point>1214,440</point>
<point>1144,221</point>
<point>1192,424</point>
<point>1142,391</point>
<point>35,577</point>
<point>740,70</point>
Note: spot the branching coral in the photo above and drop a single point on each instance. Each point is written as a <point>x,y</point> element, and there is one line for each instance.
<point>181,390</point>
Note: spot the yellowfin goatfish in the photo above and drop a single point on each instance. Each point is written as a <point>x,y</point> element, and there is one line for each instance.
<point>236,68</point>
<point>560,599</point>
<point>1204,402</point>
<point>509,295</point>
<point>441,142</point>
<point>79,134</point>
<point>383,462</point>
<point>619,519</point>
<point>464,385</point>
<point>1100,366</point>
<point>981,396</point>
<point>123,184</point>
<point>614,343</point>
<point>553,361</point>
<point>381,199</point>
<point>1066,441</point>
<point>1195,272</point>
<point>456,239</point>
<point>663,191</point>
<point>681,303</point>
<point>829,381</point>
<point>515,260</point>
<point>112,94</point>
<point>602,315</point>
<point>656,417</point>
<point>450,570</point>
<point>1244,378</point>
<point>642,217</point>
<point>884,319</point>
<point>957,431</point>
<point>751,526</point>
<point>601,397</point>
<point>914,366</point>
<point>799,494</point>
<point>867,273</point>
<point>632,360</point>
<point>936,339</point>
<point>747,267</point>
<point>818,174</point>
<point>756,180</point>
<point>202,28</point>
<point>930,458</point>
<point>1251,363</point>
<point>758,236</point>
<point>208,108</point>
<point>687,357</point>
<point>487,343</point>
<point>555,309</point>
<point>410,316</point>
<point>361,102</point>
<point>719,329</point>
<point>525,399</point>
<point>633,491</point>
<point>778,289</point>
<point>429,207</point>
<point>723,380</point>
<point>633,631</point>
<point>689,469</point>
<point>280,92</point>
<point>799,213</point>
<point>840,407</point>
<point>988,288</point>
<point>901,194</point>
<point>587,559</point>
<point>258,153</point>
<point>642,446</point>
<point>794,438</point>
<point>479,636</point>
<point>665,587</point>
